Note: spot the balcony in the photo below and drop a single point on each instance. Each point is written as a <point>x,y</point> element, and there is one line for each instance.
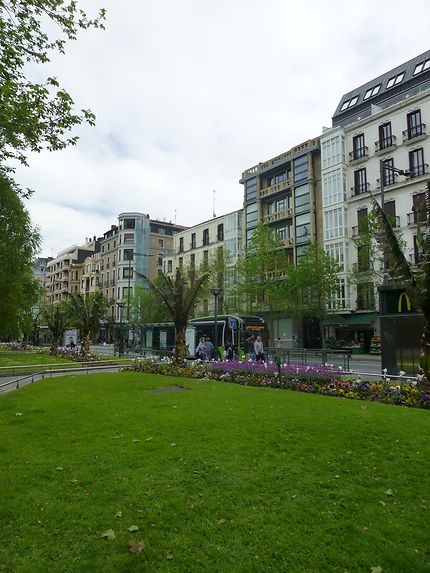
<point>385,144</point>
<point>419,170</point>
<point>358,154</point>
<point>416,218</point>
<point>360,189</point>
<point>288,242</point>
<point>268,191</point>
<point>284,214</point>
<point>415,132</point>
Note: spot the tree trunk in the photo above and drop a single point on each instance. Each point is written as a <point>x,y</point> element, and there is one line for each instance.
<point>180,346</point>
<point>85,346</point>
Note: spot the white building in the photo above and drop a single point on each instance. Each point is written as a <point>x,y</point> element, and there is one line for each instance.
<point>378,128</point>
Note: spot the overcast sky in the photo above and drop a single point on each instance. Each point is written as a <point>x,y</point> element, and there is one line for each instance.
<point>188,94</point>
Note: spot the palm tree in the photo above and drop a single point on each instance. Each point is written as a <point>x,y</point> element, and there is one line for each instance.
<point>415,279</point>
<point>180,297</point>
<point>86,312</point>
<point>57,321</point>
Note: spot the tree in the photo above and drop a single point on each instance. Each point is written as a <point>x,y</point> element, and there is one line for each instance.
<point>311,284</point>
<point>180,297</point>
<point>57,320</point>
<point>28,313</point>
<point>36,115</point>
<point>415,279</point>
<point>261,272</point>
<point>86,312</point>
<point>147,307</point>
<point>19,242</point>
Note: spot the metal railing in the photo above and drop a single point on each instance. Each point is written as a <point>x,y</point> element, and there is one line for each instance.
<point>42,374</point>
<point>307,356</point>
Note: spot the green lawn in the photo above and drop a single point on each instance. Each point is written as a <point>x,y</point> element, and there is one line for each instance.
<point>217,477</point>
<point>29,362</point>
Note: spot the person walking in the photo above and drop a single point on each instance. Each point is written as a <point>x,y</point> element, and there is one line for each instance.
<point>209,348</point>
<point>201,349</point>
<point>259,350</point>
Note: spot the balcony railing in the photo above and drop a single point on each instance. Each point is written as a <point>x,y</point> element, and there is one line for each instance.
<point>267,191</point>
<point>415,218</point>
<point>414,132</point>
<point>359,153</point>
<point>360,189</point>
<point>385,143</point>
<point>284,214</point>
<point>419,170</point>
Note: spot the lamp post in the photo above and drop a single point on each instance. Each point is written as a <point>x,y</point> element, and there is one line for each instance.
<point>120,305</point>
<point>216,292</point>
<point>382,168</point>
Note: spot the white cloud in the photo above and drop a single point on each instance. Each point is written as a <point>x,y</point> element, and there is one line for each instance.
<point>188,95</point>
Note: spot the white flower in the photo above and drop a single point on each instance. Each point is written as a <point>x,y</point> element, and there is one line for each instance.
<point>384,370</point>
<point>402,373</point>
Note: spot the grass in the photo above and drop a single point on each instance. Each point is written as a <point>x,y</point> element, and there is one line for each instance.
<point>217,477</point>
<point>27,361</point>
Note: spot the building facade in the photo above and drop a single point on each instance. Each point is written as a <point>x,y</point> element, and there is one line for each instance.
<point>379,133</point>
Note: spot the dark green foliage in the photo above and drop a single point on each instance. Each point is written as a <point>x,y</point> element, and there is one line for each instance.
<point>19,242</point>
<point>33,115</point>
<point>86,312</point>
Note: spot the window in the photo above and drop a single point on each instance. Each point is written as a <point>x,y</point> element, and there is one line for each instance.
<point>127,273</point>
<point>362,220</point>
<point>360,181</point>
<point>205,236</point>
<point>128,238</point>
<point>160,260</point>
<point>416,162</point>
<point>205,259</point>
<point>338,252</point>
<point>419,208</point>
<point>251,216</point>
<point>349,103</point>
<point>415,127</point>
<point>390,211</point>
<point>193,261</point>
<point>334,222</point>
<point>128,255</point>
<point>372,91</point>
<point>333,187</point>
<point>332,151</point>
<point>220,232</point>
<point>385,136</point>
<point>395,80</point>
<point>161,243</point>
<point>388,174</point>
<point>128,224</point>
<point>363,258</point>
<point>251,189</point>
<point>301,168</point>
<point>358,146</point>
<point>365,296</point>
<point>282,233</point>
<point>181,244</point>
<point>169,266</point>
<point>193,241</point>
<point>181,262</point>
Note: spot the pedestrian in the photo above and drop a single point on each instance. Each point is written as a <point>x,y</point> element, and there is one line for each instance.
<point>201,349</point>
<point>259,350</point>
<point>209,348</point>
<point>229,352</point>
<point>250,347</point>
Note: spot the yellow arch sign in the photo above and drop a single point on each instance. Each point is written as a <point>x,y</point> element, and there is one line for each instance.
<point>408,302</point>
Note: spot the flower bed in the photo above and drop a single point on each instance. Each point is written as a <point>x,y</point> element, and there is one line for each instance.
<point>315,379</point>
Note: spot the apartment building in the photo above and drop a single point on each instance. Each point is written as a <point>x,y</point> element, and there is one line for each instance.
<point>198,246</point>
<point>379,132</point>
<point>64,271</point>
<point>285,193</point>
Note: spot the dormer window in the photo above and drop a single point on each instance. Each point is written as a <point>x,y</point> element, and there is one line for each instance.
<point>395,80</point>
<point>349,103</point>
<point>372,91</point>
<point>421,67</point>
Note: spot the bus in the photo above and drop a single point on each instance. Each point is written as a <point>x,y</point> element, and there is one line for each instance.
<point>239,332</point>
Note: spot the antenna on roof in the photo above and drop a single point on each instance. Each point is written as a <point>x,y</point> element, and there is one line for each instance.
<point>213,210</point>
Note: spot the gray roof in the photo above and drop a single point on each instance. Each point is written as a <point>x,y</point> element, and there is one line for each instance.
<point>408,75</point>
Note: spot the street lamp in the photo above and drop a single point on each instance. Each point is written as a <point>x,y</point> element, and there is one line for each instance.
<point>121,305</point>
<point>382,168</point>
<point>216,292</point>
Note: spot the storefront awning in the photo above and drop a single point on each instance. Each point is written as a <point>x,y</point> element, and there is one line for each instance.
<point>351,320</point>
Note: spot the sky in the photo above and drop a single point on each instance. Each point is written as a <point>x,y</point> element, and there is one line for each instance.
<point>190,94</point>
